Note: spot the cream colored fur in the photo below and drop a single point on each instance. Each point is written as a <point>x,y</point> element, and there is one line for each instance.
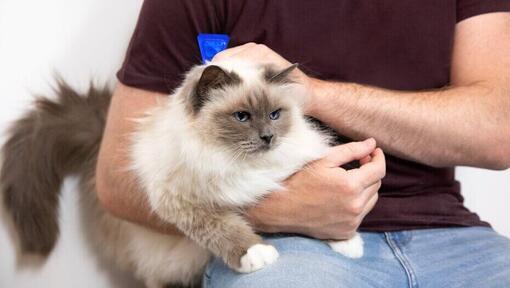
<point>181,171</point>
<point>174,162</point>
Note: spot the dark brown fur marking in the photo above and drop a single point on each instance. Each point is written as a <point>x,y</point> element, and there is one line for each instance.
<point>274,75</point>
<point>54,139</point>
<point>213,77</point>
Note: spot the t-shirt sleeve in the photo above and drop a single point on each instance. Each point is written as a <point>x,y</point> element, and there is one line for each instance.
<point>470,8</point>
<point>164,46</point>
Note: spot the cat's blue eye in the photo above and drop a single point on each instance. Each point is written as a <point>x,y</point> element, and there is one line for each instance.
<point>275,114</point>
<point>242,116</point>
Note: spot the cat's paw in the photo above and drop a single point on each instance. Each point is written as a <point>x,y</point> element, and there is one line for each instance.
<point>352,248</point>
<point>257,257</point>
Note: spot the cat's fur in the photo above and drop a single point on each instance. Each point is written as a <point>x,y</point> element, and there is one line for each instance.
<point>198,164</point>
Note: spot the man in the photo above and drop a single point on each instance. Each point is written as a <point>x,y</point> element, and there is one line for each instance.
<point>429,80</point>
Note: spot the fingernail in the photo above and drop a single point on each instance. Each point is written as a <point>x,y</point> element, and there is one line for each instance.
<point>370,141</point>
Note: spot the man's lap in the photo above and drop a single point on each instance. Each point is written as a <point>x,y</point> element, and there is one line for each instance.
<point>306,262</point>
<point>454,257</point>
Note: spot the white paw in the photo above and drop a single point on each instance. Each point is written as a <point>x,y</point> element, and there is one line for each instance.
<point>352,248</point>
<point>257,257</point>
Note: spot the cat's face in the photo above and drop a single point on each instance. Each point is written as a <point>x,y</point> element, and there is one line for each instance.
<point>246,116</point>
<point>253,121</point>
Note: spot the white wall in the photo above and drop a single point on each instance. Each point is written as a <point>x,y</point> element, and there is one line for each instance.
<point>82,40</point>
<point>488,194</point>
<point>87,39</point>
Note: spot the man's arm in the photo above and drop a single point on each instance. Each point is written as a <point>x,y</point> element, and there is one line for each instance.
<point>467,123</point>
<point>119,193</point>
<point>116,186</point>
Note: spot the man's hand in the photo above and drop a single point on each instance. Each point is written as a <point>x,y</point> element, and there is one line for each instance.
<point>260,53</point>
<point>252,52</point>
<point>323,200</point>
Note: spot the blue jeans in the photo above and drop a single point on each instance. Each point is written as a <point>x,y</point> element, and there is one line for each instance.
<point>450,257</point>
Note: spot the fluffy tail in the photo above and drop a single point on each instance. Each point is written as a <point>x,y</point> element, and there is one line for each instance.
<point>56,138</point>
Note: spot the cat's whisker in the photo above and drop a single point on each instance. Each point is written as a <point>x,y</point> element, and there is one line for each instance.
<point>237,152</point>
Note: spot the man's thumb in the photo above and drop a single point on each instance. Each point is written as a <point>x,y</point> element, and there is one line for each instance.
<point>342,154</point>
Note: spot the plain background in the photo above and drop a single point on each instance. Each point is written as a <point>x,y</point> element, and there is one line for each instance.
<point>86,40</point>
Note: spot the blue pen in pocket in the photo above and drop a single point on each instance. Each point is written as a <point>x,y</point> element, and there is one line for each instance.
<point>211,44</point>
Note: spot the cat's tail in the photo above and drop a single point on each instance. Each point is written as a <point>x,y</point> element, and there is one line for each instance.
<point>56,138</point>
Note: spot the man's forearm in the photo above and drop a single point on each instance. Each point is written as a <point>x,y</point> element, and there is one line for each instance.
<point>467,125</point>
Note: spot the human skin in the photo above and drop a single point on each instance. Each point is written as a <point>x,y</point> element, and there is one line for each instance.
<point>345,196</point>
<point>467,123</point>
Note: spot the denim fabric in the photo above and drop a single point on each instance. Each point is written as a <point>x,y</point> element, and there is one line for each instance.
<point>450,257</point>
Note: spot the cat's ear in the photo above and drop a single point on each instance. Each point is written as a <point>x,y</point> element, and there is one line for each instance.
<point>213,77</point>
<point>279,76</point>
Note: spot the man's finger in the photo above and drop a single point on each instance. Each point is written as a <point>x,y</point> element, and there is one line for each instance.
<point>234,50</point>
<point>370,203</point>
<point>370,191</point>
<point>365,160</point>
<point>342,154</point>
<point>371,172</point>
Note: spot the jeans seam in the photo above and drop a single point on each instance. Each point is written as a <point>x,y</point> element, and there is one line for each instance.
<point>402,259</point>
<point>206,281</point>
<point>206,277</point>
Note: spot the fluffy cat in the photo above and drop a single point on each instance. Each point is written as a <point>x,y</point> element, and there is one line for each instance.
<point>228,136</point>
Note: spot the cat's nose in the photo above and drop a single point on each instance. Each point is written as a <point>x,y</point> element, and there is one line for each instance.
<point>266,138</point>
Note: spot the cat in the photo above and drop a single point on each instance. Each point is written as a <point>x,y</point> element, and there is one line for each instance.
<point>228,136</point>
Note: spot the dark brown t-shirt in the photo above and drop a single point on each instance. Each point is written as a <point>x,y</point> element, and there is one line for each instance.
<point>394,44</point>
